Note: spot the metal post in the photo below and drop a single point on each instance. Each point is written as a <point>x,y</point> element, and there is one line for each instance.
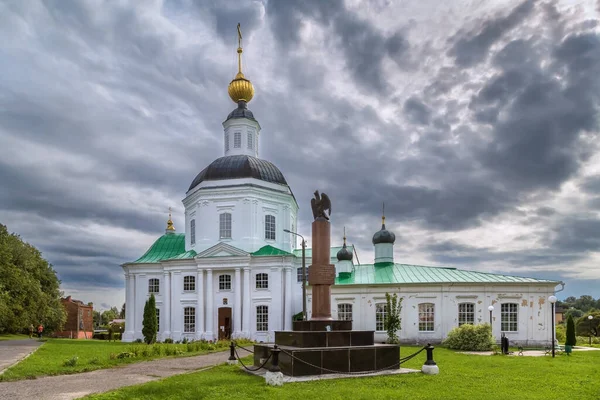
<point>490,318</point>
<point>553,346</point>
<point>590,319</point>
<point>430,367</point>
<point>304,317</point>
<point>275,359</point>
<point>430,355</point>
<point>231,352</point>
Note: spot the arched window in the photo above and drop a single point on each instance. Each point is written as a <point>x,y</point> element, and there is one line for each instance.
<point>345,312</point>
<point>224,282</point>
<point>189,319</point>
<point>270,227</point>
<point>225,226</point>
<point>237,140</point>
<point>466,313</point>
<point>262,281</point>
<point>509,317</point>
<point>380,316</point>
<point>426,317</point>
<point>193,231</point>
<point>189,283</point>
<point>153,285</point>
<point>262,318</point>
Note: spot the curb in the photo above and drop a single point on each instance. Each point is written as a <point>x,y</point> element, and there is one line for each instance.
<point>21,359</point>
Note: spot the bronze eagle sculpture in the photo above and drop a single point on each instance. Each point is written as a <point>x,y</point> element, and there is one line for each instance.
<point>319,204</point>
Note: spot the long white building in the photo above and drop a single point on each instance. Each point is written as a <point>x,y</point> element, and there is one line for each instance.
<point>235,273</point>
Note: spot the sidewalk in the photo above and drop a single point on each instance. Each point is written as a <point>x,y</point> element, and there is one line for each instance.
<point>13,351</point>
<point>66,387</point>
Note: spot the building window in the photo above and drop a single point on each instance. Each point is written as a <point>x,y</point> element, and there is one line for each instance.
<point>250,144</point>
<point>224,282</point>
<point>225,226</point>
<point>426,317</point>
<point>466,314</point>
<point>509,317</point>
<point>299,274</point>
<point>270,227</point>
<point>345,312</point>
<point>193,231</point>
<point>262,281</point>
<point>262,318</point>
<point>380,316</point>
<point>237,140</point>
<point>153,285</point>
<point>189,283</point>
<point>226,141</point>
<point>158,318</point>
<point>189,320</point>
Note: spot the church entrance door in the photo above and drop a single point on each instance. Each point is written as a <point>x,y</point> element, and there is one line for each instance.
<point>224,323</point>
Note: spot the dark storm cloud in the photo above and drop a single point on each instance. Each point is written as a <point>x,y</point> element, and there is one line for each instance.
<point>416,111</point>
<point>591,185</point>
<point>576,234</point>
<point>474,48</point>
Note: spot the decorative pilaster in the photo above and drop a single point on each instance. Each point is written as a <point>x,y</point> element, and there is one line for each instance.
<point>176,323</point>
<point>209,305</point>
<point>141,293</point>
<point>237,311</point>
<point>246,328</point>
<point>129,307</point>
<point>288,313</point>
<point>166,317</point>
<point>276,307</point>
<point>200,305</point>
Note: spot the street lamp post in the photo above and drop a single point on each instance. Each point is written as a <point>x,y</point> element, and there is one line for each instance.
<point>490,309</point>
<point>552,300</point>
<point>303,272</point>
<point>590,317</point>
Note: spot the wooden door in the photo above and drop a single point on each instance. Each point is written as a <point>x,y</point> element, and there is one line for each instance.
<point>224,323</point>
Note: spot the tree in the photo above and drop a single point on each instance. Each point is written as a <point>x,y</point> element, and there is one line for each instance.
<point>29,290</point>
<point>150,324</point>
<point>122,313</point>
<point>571,339</point>
<point>393,322</point>
<point>587,327</point>
<point>109,315</point>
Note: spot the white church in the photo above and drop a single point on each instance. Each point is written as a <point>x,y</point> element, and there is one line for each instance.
<point>235,272</point>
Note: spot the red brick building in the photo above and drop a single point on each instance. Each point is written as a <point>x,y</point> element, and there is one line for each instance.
<point>80,319</point>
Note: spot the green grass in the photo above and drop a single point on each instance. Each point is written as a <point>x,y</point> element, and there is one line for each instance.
<point>56,356</point>
<point>461,377</point>
<point>11,336</point>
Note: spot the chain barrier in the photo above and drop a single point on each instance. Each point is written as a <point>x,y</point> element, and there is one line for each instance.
<point>252,369</point>
<point>243,348</point>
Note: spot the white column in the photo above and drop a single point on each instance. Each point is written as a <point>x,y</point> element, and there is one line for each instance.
<point>175,307</point>
<point>209,305</point>
<point>276,306</point>
<point>246,328</point>
<point>140,301</point>
<point>129,307</point>
<point>200,304</point>
<point>237,311</point>
<point>166,317</point>
<point>288,314</point>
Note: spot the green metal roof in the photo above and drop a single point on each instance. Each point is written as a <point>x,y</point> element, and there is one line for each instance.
<point>389,273</point>
<point>332,253</point>
<point>270,251</point>
<point>184,256</point>
<point>167,246</point>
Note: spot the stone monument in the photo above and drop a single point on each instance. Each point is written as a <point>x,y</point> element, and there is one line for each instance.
<point>323,345</point>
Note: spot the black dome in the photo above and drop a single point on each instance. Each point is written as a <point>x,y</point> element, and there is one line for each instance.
<point>384,236</point>
<point>240,166</point>
<point>241,112</point>
<point>344,254</point>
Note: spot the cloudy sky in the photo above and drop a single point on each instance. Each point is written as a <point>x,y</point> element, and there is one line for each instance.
<point>476,121</point>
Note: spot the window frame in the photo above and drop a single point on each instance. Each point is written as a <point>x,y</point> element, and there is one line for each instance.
<point>505,317</point>
<point>225,225</point>
<point>250,138</point>
<point>226,141</point>
<point>426,317</point>
<point>189,314</point>
<point>237,140</point>
<point>345,311</point>
<point>262,318</point>
<point>158,318</point>
<point>191,283</point>
<point>270,227</point>
<point>466,316</point>
<point>380,316</point>
<point>153,286</point>
<point>261,281</point>
<point>224,281</point>
<point>193,231</point>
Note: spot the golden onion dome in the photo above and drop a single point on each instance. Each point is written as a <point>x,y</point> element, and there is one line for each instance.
<point>240,88</point>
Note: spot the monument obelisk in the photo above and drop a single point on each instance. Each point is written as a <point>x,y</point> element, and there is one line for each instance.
<point>321,274</point>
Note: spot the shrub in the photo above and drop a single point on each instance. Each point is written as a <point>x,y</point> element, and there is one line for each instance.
<point>71,362</point>
<point>112,356</point>
<point>150,323</point>
<point>125,354</point>
<point>561,334</point>
<point>156,349</point>
<point>571,339</point>
<point>168,340</point>
<point>184,341</point>
<point>94,361</point>
<point>470,337</point>
<point>138,341</point>
<point>393,322</point>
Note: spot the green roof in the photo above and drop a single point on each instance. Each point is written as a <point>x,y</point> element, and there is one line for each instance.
<point>167,246</point>
<point>184,256</point>
<point>332,253</point>
<point>270,251</point>
<point>389,273</point>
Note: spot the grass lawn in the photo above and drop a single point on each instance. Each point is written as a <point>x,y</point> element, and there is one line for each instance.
<point>50,358</point>
<point>461,377</point>
<point>10,336</point>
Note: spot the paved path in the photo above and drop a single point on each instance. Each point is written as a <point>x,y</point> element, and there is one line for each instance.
<point>66,387</point>
<point>13,351</point>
